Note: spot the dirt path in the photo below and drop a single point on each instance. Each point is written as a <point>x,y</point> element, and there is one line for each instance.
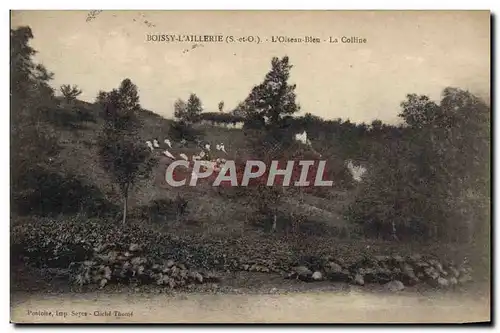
<point>319,307</point>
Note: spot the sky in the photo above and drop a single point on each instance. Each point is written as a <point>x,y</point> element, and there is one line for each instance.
<point>418,52</point>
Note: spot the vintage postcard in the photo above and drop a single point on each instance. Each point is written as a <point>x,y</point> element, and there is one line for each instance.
<point>250,166</point>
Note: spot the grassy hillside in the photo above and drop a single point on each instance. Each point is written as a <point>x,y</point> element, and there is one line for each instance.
<point>208,208</point>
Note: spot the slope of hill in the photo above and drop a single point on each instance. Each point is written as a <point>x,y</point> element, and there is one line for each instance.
<point>206,206</point>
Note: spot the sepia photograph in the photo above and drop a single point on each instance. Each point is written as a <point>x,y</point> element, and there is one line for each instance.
<point>251,166</point>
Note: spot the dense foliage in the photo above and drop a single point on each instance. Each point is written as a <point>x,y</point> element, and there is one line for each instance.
<point>187,114</point>
<point>38,183</point>
<point>221,118</point>
<point>33,139</point>
<point>433,180</point>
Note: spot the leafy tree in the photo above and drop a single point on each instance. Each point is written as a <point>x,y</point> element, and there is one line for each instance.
<point>188,112</point>
<point>180,109</point>
<point>221,106</point>
<point>101,100</point>
<point>377,125</point>
<point>240,110</point>
<point>120,149</point>
<point>269,108</point>
<point>433,179</point>
<point>33,138</point>
<point>22,66</point>
<point>70,93</point>
<point>274,97</point>
<point>101,97</point>
<point>461,150</point>
<point>311,121</point>
<point>419,111</point>
<point>269,126</point>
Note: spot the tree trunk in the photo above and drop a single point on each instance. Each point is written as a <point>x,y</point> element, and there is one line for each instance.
<point>125,200</point>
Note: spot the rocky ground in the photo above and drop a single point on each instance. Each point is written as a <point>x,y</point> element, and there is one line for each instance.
<point>309,272</point>
<point>112,269</point>
<point>255,293</point>
<point>109,264</point>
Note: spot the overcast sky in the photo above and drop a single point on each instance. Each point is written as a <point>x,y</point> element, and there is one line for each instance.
<point>406,52</point>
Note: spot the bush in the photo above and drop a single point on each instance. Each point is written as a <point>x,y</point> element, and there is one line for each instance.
<point>59,242</point>
<point>95,252</point>
<point>70,116</point>
<point>52,194</point>
<point>180,130</point>
<point>221,118</point>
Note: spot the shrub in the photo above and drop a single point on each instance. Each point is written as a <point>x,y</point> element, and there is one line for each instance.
<point>59,242</point>
<point>180,130</point>
<point>53,193</point>
<point>221,118</point>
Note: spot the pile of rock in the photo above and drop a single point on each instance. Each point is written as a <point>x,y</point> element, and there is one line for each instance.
<point>386,269</point>
<point>260,265</point>
<point>111,265</point>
